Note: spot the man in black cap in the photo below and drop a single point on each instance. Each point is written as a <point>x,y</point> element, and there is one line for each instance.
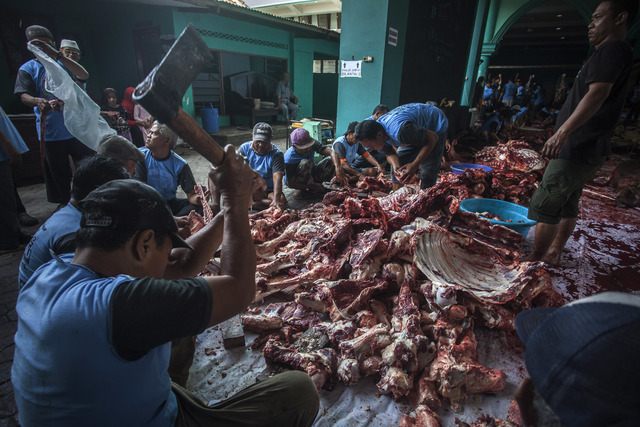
<point>59,144</point>
<point>101,336</point>
<point>582,363</point>
<point>355,160</point>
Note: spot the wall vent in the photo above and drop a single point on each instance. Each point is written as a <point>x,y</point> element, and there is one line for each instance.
<point>234,37</point>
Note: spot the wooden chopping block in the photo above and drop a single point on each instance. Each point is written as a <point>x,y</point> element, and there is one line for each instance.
<point>232,332</point>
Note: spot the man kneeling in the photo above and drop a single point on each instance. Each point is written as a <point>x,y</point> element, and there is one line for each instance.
<point>301,171</point>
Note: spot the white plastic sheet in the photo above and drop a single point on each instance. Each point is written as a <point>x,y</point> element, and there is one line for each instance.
<point>218,373</point>
<point>81,115</point>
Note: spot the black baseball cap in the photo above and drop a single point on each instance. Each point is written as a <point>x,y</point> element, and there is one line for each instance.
<point>351,128</point>
<point>129,205</point>
<point>37,31</point>
<point>262,132</point>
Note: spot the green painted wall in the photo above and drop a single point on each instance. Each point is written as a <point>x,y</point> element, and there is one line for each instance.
<point>224,34</point>
<point>302,72</point>
<point>365,34</point>
<point>503,11</point>
<point>506,9</point>
<point>260,40</point>
<point>234,35</point>
<point>394,55</point>
<point>471,74</point>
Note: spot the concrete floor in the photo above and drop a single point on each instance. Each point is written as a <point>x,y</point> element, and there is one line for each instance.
<point>34,199</point>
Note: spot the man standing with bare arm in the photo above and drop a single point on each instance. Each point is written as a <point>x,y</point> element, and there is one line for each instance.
<point>580,144</point>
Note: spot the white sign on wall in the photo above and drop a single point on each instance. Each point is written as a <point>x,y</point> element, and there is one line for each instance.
<point>393,36</point>
<point>351,69</point>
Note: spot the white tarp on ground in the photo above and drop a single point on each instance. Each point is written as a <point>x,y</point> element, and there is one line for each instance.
<point>217,374</point>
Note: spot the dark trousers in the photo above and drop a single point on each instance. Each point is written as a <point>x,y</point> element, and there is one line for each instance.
<point>287,399</point>
<point>310,173</point>
<point>19,205</point>
<point>9,226</point>
<point>57,170</point>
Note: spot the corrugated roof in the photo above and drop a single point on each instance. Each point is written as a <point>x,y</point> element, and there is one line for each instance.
<point>231,6</point>
<point>237,3</point>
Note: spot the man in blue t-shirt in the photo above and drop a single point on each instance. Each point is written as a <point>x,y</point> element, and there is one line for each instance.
<point>164,170</point>
<point>355,160</point>
<point>12,147</point>
<point>488,132</point>
<point>520,92</point>
<point>418,132</point>
<point>538,96</point>
<point>510,90</point>
<point>58,234</point>
<point>268,161</point>
<point>59,144</point>
<point>301,172</point>
<point>113,301</point>
<point>379,111</point>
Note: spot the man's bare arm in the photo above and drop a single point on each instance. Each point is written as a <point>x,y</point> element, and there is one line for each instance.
<point>278,196</point>
<point>340,176</point>
<point>32,101</point>
<point>410,168</point>
<point>372,160</point>
<point>188,263</point>
<point>586,108</point>
<point>235,288</point>
<point>76,69</point>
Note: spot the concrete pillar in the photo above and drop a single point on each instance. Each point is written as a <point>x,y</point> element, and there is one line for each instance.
<point>489,48</point>
<point>474,53</point>
<point>368,36</point>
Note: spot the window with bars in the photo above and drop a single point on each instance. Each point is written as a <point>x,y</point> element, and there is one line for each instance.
<point>325,66</point>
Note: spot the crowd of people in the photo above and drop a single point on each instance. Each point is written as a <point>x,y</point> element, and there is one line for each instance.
<point>107,287</point>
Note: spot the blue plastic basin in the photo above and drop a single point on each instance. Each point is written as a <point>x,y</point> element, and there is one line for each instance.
<point>505,210</point>
<point>458,168</point>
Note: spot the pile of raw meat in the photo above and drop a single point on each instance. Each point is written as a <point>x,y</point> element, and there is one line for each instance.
<point>393,287</point>
<point>512,156</point>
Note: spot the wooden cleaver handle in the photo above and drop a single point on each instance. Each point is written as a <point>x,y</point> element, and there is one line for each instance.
<point>188,129</point>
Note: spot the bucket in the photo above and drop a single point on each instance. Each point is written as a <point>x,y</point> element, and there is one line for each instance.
<point>458,168</point>
<point>210,119</point>
<point>514,216</point>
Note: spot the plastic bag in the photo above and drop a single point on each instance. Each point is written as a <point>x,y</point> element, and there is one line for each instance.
<point>81,115</point>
